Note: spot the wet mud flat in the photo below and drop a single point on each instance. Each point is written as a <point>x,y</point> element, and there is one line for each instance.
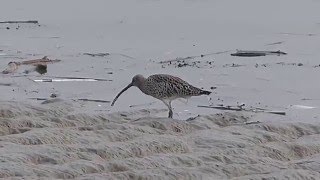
<point>60,73</point>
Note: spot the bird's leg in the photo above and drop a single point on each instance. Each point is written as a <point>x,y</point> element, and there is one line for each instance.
<point>168,104</point>
<point>170,110</point>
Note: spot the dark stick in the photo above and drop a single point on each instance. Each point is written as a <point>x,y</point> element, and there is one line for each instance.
<point>14,22</point>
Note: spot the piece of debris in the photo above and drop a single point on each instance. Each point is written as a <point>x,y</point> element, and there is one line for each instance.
<point>253,122</point>
<point>5,84</point>
<point>54,95</point>
<point>43,61</point>
<point>40,65</point>
<point>240,108</point>
<point>242,53</point>
<point>290,64</point>
<point>93,100</point>
<point>41,69</point>
<point>233,65</point>
<point>69,79</point>
<point>97,54</point>
<point>302,107</point>
<point>275,43</point>
<point>15,22</point>
<point>12,67</point>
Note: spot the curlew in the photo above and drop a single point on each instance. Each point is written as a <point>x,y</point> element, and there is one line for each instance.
<point>163,87</point>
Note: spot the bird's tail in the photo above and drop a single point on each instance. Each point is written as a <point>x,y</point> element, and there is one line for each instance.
<point>205,92</point>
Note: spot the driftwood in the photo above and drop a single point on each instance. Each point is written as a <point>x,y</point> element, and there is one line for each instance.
<point>39,64</point>
<point>240,108</point>
<point>257,53</point>
<point>97,54</point>
<point>15,22</point>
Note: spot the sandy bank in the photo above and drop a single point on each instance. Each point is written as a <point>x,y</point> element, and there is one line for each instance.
<point>55,141</point>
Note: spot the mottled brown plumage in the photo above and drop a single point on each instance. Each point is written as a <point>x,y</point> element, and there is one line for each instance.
<point>164,87</point>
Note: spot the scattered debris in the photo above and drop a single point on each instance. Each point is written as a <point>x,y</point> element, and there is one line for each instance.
<point>240,108</point>
<point>97,54</point>
<point>15,22</point>
<point>233,65</point>
<point>40,65</point>
<point>106,54</point>
<point>184,63</point>
<point>178,59</point>
<point>242,53</point>
<point>291,64</point>
<point>192,57</point>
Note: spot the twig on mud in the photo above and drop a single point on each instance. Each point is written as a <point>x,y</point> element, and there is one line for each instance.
<point>93,100</point>
<point>253,122</point>
<point>80,99</point>
<point>238,108</point>
<point>97,54</point>
<point>242,53</point>
<point>275,43</point>
<point>15,22</point>
<point>192,57</point>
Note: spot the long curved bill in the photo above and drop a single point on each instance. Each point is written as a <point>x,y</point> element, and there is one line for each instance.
<point>123,90</point>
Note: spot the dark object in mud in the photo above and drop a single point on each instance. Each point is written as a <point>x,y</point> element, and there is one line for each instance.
<point>41,69</point>
<point>15,22</point>
<point>257,53</point>
<point>240,108</point>
<point>97,54</point>
<point>5,84</point>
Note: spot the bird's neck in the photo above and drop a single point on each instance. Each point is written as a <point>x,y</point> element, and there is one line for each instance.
<point>142,88</point>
